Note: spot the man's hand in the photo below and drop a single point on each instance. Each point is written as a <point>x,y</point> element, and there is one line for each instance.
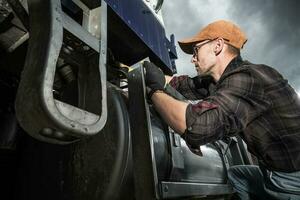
<point>154,78</point>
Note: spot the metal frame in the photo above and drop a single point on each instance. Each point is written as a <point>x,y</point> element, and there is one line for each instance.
<point>145,174</point>
<point>185,189</point>
<point>42,116</point>
<point>81,33</point>
<point>20,12</point>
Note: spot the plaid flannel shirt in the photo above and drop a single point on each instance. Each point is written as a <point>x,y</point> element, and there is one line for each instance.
<point>254,101</point>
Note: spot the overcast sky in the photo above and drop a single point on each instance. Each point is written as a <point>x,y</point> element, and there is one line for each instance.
<point>272,27</point>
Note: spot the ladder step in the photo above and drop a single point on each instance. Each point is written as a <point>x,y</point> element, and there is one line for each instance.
<point>82,34</point>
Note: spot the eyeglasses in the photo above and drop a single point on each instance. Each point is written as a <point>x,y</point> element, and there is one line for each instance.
<point>197,47</point>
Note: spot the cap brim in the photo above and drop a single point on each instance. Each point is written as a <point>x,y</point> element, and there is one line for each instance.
<point>187,44</point>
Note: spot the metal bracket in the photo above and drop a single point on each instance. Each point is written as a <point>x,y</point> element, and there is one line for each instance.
<point>42,116</point>
<point>145,174</point>
<point>187,189</point>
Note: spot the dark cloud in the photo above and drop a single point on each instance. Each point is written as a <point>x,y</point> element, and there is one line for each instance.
<point>272,26</point>
<point>276,42</point>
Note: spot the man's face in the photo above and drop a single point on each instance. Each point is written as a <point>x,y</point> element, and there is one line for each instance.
<point>204,57</point>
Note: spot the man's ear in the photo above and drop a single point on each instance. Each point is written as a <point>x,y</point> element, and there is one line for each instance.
<point>219,45</point>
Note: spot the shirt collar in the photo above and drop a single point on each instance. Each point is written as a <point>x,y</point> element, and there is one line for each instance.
<point>234,63</point>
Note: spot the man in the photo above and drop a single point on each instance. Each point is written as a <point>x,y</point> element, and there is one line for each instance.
<point>251,100</point>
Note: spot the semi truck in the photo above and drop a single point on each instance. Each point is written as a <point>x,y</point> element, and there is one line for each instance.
<point>75,119</point>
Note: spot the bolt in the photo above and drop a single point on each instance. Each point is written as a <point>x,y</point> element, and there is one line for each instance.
<point>46,131</point>
<point>166,189</point>
<point>85,48</point>
<point>67,51</point>
<point>58,134</point>
<point>70,48</point>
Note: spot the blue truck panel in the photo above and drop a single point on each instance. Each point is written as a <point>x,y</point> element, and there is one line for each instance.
<point>144,24</point>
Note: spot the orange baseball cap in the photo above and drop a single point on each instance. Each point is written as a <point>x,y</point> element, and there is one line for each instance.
<point>230,32</point>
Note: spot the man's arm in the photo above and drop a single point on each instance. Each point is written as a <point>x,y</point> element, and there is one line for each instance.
<point>198,124</point>
<point>165,105</point>
<point>191,88</point>
<point>227,112</point>
<point>235,103</point>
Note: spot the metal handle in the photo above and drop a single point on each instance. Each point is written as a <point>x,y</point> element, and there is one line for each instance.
<point>42,116</point>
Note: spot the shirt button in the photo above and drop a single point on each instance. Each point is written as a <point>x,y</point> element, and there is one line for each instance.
<point>190,128</point>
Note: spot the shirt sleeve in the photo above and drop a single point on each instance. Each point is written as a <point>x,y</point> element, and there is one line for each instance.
<point>238,100</point>
<point>192,88</point>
